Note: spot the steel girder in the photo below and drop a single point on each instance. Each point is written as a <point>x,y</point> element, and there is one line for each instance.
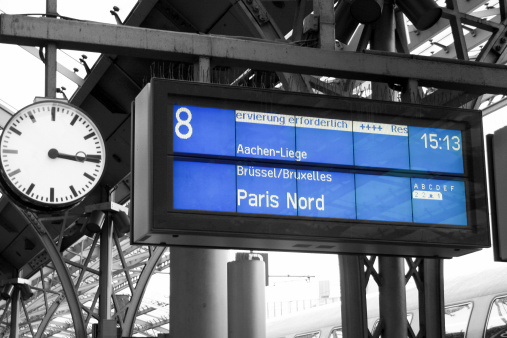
<point>417,38</point>
<point>375,66</point>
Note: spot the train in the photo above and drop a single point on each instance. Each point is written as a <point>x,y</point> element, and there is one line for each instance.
<point>475,307</point>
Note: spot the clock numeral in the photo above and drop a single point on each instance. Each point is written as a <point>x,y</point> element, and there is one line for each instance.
<point>53,114</point>
<point>51,194</point>
<point>10,151</point>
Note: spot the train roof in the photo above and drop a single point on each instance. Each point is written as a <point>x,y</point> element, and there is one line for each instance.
<point>469,284</point>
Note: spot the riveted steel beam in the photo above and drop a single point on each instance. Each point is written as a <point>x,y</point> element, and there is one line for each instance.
<point>156,44</point>
<point>471,20</point>
<point>419,37</point>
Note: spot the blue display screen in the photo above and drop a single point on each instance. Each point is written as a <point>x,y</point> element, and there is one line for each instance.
<point>439,201</point>
<point>381,145</point>
<point>201,130</point>
<point>258,135</point>
<point>272,190</point>
<point>383,198</point>
<point>334,145</point>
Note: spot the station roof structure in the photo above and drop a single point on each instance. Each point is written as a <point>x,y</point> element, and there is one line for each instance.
<point>471,33</point>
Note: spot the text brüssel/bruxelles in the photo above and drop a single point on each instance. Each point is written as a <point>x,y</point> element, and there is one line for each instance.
<point>288,174</point>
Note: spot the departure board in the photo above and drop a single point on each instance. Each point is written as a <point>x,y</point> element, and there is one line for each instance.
<point>231,158</point>
<point>300,140</point>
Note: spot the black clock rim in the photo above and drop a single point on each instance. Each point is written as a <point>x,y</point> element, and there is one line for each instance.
<point>22,200</point>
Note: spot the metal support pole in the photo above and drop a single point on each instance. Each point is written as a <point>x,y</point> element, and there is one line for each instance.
<point>431,297</point>
<point>392,299</point>
<point>106,261</point>
<point>15,311</point>
<point>353,296</point>
<point>434,316</point>
<point>411,92</point>
<point>50,57</point>
<point>401,34</point>
<point>383,35</point>
<point>107,326</point>
<point>393,305</point>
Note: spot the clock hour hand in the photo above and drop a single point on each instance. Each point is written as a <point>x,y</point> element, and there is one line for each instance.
<point>78,157</point>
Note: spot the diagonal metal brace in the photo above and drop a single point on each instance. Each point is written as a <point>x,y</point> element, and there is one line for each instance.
<point>62,271</point>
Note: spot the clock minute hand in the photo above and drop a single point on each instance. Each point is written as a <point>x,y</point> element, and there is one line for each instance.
<point>53,153</point>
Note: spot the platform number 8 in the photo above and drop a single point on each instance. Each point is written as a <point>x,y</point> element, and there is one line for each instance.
<point>185,123</point>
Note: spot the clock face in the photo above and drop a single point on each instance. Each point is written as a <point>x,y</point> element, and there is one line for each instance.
<point>52,155</point>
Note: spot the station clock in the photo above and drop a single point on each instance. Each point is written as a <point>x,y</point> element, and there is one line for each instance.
<point>52,156</point>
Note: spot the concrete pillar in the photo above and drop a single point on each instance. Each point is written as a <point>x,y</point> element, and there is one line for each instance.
<point>198,306</point>
<point>202,70</point>
<point>246,297</point>
<point>392,299</point>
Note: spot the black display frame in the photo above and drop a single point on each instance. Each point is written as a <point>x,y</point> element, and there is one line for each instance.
<point>155,222</point>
